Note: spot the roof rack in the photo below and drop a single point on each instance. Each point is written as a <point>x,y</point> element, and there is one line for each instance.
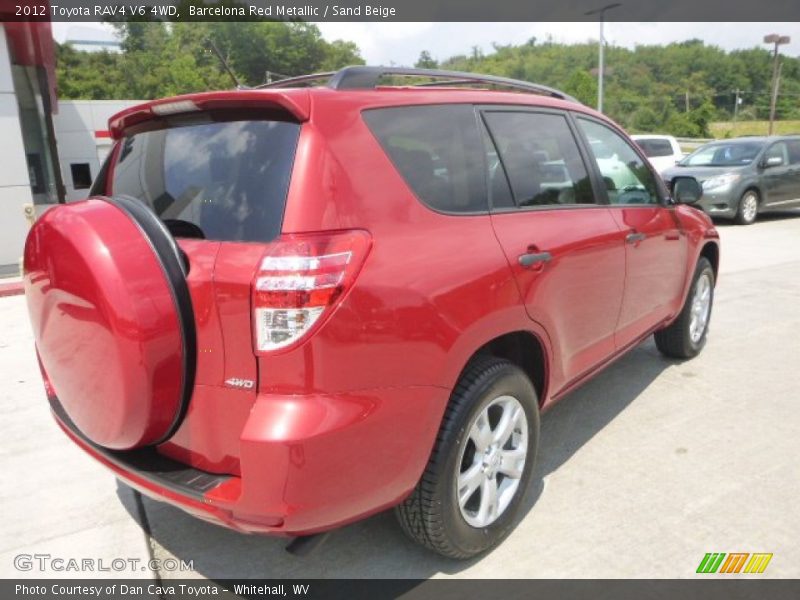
<point>292,81</point>
<point>361,77</point>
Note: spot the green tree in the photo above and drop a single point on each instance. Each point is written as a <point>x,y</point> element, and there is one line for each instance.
<point>582,86</point>
<point>159,60</point>
<point>645,88</point>
<point>340,53</point>
<point>426,61</point>
<point>646,120</point>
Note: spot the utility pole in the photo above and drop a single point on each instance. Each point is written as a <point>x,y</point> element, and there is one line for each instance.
<point>601,57</point>
<point>778,40</point>
<point>686,101</point>
<point>736,106</point>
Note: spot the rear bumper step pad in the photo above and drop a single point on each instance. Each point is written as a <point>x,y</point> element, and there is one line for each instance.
<point>148,464</point>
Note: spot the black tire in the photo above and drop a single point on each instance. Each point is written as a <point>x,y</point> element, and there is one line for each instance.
<point>431,515</point>
<point>743,215</point>
<point>676,341</point>
<point>175,267</point>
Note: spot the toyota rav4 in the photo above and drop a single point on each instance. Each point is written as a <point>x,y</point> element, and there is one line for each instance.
<point>285,309</point>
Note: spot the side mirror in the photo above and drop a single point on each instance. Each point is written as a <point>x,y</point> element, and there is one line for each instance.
<point>686,190</point>
<point>773,161</point>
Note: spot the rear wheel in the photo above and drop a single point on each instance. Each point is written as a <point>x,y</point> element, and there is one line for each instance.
<point>748,208</point>
<point>469,495</point>
<point>686,337</point>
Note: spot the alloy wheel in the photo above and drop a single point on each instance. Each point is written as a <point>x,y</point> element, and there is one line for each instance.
<point>492,461</point>
<point>749,207</point>
<point>701,308</point>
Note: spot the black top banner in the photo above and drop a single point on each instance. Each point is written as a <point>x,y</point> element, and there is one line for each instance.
<point>401,10</point>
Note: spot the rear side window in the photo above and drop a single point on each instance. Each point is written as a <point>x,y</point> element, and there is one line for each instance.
<point>655,147</point>
<point>224,181</point>
<point>438,151</point>
<point>541,158</point>
<point>794,152</point>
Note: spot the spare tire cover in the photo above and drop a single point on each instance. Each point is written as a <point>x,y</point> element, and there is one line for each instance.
<point>112,319</point>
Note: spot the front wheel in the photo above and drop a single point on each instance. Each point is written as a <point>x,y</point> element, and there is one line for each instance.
<point>470,493</point>
<point>748,208</point>
<point>686,337</point>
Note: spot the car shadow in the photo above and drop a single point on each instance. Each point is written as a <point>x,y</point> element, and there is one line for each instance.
<point>376,547</point>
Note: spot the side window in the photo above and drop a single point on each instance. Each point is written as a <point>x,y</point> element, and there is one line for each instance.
<point>439,152</point>
<point>627,178</point>
<point>794,152</point>
<point>540,157</point>
<point>778,150</point>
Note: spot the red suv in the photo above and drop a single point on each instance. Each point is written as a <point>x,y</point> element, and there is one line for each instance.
<point>285,309</point>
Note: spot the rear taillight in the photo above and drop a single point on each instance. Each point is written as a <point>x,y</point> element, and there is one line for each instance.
<point>300,277</point>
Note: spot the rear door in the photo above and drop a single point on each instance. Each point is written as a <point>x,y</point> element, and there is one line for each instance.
<point>656,246</point>
<point>565,249</point>
<point>793,200</point>
<point>781,182</point>
<point>219,181</point>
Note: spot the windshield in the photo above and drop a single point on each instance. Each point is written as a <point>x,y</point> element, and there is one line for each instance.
<point>723,155</point>
<point>224,181</point>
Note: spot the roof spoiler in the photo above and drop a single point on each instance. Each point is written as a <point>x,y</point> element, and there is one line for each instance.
<point>295,102</point>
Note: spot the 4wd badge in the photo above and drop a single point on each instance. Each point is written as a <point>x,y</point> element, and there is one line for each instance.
<point>242,384</point>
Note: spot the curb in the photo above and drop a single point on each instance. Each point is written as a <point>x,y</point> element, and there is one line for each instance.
<point>11,289</point>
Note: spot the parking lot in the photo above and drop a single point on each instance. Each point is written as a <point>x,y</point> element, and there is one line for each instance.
<point>641,471</point>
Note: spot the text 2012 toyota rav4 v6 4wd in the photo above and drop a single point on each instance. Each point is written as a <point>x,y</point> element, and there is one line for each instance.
<point>285,309</point>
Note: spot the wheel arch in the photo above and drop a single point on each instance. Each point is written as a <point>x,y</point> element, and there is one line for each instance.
<point>523,348</point>
<point>753,187</point>
<point>710,251</point>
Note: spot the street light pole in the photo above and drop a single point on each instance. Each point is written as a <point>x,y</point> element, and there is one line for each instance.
<point>601,56</point>
<point>778,40</point>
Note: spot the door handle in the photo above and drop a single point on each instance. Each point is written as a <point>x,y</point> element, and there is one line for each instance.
<point>633,238</point>
<point>528,260</point>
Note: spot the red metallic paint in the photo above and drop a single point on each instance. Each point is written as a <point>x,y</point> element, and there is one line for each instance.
<point>652,283</point>
<point>585,278</point>
<point>342,425</point>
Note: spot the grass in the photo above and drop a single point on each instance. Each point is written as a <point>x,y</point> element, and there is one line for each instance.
<point>726,129</point>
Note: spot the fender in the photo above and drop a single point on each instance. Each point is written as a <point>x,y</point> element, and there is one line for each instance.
<point>700,230</point>
<point>508,320</point>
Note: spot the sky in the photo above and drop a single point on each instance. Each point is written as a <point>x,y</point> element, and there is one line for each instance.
<point>401,43</point>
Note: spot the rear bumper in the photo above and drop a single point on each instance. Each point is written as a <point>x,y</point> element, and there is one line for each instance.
<point>308,463</point>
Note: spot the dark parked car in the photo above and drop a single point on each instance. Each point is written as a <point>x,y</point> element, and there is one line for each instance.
<point>285,309</point>
<point>745,176</point>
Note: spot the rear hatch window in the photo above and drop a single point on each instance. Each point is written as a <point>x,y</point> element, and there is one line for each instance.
<point>655,147</point>
<point>214,180</point>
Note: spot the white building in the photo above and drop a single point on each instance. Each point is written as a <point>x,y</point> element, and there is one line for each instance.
<point>29,174</point>
<point>81,128</point>
<point>49,151</point>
